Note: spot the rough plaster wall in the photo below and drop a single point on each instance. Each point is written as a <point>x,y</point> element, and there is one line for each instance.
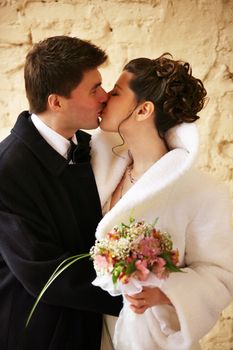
<point>199,31</point>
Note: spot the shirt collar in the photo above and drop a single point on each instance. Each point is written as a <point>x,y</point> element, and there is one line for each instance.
<point>59,143</point>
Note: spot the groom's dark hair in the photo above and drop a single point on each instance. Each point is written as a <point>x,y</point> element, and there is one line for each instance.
<point>56,65</point>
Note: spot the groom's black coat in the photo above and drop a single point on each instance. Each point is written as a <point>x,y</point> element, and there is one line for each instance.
<point>48,211</point>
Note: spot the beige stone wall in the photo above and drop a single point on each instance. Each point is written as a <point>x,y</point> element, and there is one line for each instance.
<point>199,31</point>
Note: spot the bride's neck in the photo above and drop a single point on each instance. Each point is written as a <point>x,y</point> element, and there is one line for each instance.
<point>145,151</point>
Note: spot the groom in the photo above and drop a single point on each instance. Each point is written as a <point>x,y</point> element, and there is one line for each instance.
<point>49,203</point>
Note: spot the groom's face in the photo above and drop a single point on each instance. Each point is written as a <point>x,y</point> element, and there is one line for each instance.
<point>82,108</point>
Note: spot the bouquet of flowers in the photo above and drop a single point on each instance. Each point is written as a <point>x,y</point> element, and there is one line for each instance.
<point>130,252</point>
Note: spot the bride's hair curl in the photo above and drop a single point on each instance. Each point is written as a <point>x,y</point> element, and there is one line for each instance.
<point>169,84</point>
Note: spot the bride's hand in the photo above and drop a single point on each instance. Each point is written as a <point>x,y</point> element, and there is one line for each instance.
<point>148,297</point>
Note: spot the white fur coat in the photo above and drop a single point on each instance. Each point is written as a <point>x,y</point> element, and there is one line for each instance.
<point>196,211</point>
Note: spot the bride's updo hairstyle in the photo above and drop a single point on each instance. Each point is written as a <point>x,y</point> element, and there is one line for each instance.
<point>169,84</point>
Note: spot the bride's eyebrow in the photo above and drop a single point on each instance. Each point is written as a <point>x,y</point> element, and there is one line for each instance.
<point>117,86</point>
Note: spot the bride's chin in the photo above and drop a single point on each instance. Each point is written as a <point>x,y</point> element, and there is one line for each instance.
<point>101,124</point>
<point>102,127</point>
<point>105,128</point>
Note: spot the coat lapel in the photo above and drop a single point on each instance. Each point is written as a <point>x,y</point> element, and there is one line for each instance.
<point>25,130</point>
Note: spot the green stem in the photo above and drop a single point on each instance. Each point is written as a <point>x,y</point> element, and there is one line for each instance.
<point>55,274</point>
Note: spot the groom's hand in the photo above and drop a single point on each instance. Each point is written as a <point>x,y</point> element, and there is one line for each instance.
<point>148,297</point>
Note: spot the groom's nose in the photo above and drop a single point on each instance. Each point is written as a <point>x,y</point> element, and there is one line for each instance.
<point>103,98</point>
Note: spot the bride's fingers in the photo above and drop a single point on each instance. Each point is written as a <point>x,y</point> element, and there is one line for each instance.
<point>138,305</point>
<point>138,296</point>
<point>134,299</point>
<point>136,302</point>
<point>138,310</point>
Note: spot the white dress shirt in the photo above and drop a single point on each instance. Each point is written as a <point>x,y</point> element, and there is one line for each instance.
<point>55,140</point>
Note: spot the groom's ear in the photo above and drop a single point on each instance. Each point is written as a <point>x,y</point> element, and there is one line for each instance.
<point>145,110</point>
<point>54,102</point>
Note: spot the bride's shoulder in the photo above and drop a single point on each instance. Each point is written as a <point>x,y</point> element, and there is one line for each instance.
<point>201,185</point>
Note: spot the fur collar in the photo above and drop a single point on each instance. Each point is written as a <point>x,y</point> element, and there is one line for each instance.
<point>109,169</point>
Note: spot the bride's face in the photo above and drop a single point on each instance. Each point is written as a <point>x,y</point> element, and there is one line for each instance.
<point>120,105</point>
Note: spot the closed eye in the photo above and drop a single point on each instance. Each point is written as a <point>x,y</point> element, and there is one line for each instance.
<point>113,93</point>
<point>95,88</point>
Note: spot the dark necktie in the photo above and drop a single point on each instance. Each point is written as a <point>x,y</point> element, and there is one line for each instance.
<point>78,153</point>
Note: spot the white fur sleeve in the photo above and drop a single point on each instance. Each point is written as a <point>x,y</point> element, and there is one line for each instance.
<point>200,294</point>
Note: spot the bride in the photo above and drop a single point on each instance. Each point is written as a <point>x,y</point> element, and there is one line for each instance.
<point>144,160</point>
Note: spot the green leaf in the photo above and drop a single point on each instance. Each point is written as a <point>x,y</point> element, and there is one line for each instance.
<point>131,216</point>
<point>173,268</point>
<point>119,267</point>
<point>170,266</point>
<point>130,268</point>
<point>155,222</point>
<point>55,274</point>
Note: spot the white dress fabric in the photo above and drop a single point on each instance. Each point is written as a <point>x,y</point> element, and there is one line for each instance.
<point>196,210</point>
<point>109,323</point>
